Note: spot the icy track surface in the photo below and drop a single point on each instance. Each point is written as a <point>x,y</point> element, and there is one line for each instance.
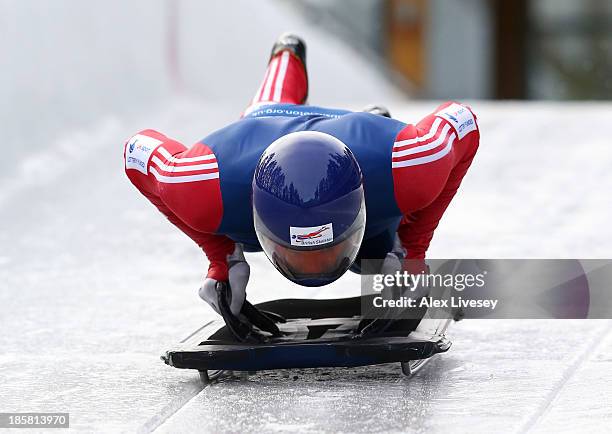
<point>95,284</point>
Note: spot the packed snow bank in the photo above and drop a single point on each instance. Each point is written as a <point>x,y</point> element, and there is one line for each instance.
<point>69,63</point>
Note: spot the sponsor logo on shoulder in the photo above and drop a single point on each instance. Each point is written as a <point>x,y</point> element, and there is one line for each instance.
<point>140,148</point>
<point>312,235</point>
<point>460,118</point>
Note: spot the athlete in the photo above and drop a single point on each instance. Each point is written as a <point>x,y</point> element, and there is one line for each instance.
<point>316,189</point>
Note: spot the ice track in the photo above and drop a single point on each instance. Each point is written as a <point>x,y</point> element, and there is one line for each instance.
<point>95,285</point>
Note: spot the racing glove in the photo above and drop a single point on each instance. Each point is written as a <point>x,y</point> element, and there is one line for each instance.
<point>238,277</point>
<point>394,262</point>
<point>228,299</point>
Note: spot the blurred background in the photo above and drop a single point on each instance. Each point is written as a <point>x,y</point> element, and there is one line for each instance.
<point>68,62</point>
<point>495,49</point>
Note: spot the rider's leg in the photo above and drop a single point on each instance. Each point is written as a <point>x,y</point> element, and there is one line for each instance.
<point>286,78</point>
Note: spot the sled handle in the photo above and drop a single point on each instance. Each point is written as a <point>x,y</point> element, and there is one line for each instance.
<point>259,319</point>
<point>241,331</point>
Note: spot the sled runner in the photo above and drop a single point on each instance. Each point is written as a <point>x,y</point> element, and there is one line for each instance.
<point>311,333</point>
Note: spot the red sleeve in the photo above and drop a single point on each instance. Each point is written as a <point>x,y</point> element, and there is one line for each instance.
<point>157,166</point>
<point>416,230</point>
<point>429,180</point>
<point>216,247</point>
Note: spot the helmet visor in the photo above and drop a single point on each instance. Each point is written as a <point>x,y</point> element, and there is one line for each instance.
<point>314,266</point>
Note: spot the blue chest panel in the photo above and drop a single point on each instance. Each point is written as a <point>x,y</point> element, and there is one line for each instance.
<point>239,146</point>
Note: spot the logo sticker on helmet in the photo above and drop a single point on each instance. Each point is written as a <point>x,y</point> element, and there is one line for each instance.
<point>311,236</point>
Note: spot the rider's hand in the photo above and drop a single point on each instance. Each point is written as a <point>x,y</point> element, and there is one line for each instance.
<point>395,262</point>
<point>395,258</point>
<point>238,272</point>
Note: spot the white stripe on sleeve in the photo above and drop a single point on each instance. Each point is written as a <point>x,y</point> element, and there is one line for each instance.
<point>169,157</point>
<point>429,135</point>
<point>428,158</point>
<point>183,179</point>
<point>159,163</point>
<point>427,147</point>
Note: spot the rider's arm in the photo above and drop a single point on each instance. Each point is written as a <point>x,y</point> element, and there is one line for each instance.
<point>416,229</point>
<point>216,247</point>
<point>183,184</point>
<point>433,172</point>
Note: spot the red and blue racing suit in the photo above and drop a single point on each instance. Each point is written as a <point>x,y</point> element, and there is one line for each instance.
<point>411,171</point>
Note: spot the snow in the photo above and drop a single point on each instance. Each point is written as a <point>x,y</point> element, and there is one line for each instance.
<point>95,284</point>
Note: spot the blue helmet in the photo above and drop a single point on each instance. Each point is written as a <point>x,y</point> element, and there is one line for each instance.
<point>309,207</point>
